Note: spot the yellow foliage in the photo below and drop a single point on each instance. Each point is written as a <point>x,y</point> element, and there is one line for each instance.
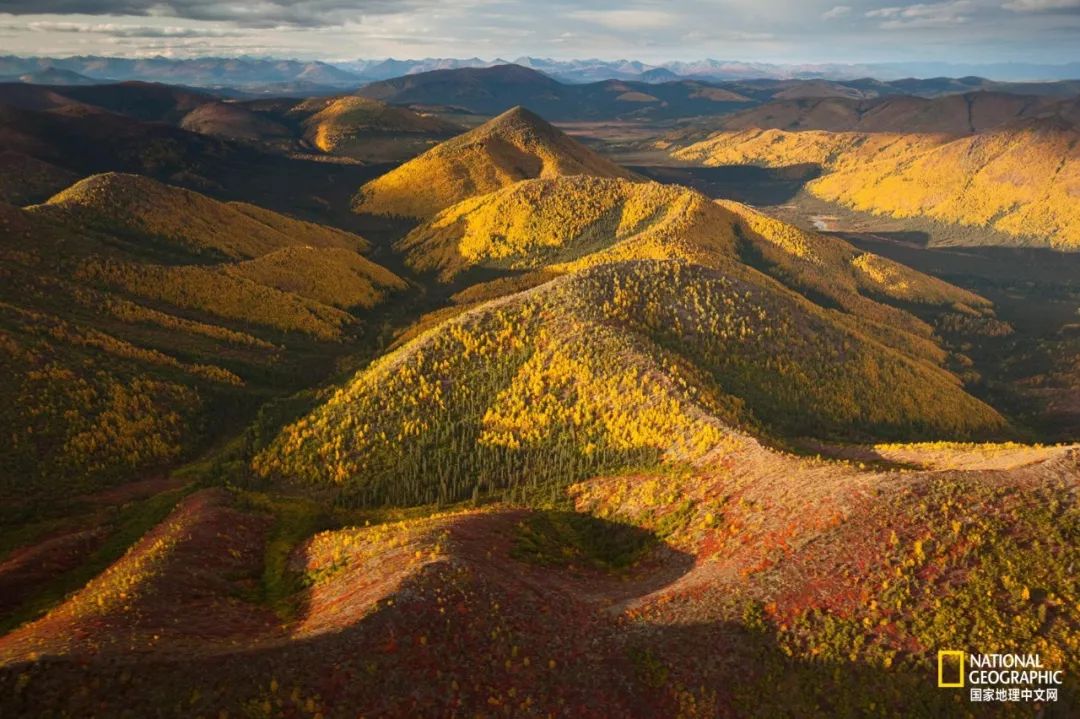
<point>1022,181</point>
<point>133,204</point>
<point>516,145</point>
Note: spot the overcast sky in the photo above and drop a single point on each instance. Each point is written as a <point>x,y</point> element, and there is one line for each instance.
<point>1045,31</point>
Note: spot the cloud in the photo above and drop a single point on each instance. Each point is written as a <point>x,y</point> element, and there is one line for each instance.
<point>625,19</point>
<point>923,15</point>
<point>1042,5</point>
<point>118,30</point>
<point>755,30</point>
<point>246,13</point>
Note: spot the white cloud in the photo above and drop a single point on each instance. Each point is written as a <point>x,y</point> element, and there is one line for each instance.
<point>923,15</point>
<point>120,30</point>
<point>1041,5</point>
<point>625,19</point>
<point>837,12</point>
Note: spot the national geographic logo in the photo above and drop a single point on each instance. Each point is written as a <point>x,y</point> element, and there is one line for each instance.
<point>999,677</point>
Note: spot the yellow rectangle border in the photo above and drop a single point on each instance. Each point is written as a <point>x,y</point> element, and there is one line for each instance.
<point>941,669</point>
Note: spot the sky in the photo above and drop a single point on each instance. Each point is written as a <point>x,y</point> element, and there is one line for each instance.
<point>781,31</point>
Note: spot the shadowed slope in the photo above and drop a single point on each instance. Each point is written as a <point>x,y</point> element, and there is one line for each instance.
<point>844,583</point>
<point>233,120</point>
<point>952,114</point>
<point>516,145</point>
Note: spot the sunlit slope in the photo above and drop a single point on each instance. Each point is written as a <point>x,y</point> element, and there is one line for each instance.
<point>516,145</point>
<point>617,365</point>
<point>127,336</point>
<point>136,205</point>
<point>1022,180</point>
<point>779,148</point>
<point>331,275</point>
<point>333,124</point>
<point>558,225</point>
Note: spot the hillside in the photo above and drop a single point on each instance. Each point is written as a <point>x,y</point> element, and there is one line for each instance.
<point>1020,179</point>
<point>367,129</point>
<point>606,448</point>
<point>620,365</point>
<point>958,114</point>
<point>25,179</point>
<point>334,276</point>
<point>332,122</point>
<point>516,145</point>
<point>123,203</point>
<point>347,126</point>
<point>140,319</point>
<point>150,102</point>
<point>647,335</point>
<point>234,121</point>
<point>844,584</point>
<point>558,225</point>
<point>86,140</point>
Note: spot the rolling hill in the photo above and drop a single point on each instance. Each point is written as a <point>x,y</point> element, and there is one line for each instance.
<point>25,179</point>
<point>651,324</point>
<point>357,127</point>
<point>622,364</point>
<point>235,121</point>
<point>516,145</point>
<point>345,126</point>
<point>86,140</point>
<point>145,208</point>
<point>138,319</point>
<point>559,225</point>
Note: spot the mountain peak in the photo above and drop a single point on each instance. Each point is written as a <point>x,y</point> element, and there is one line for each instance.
<point>518,119</point>
<point>516,145</point>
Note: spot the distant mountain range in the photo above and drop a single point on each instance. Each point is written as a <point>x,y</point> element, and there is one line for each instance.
<point>296,77</point>
<point>489,91</point>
